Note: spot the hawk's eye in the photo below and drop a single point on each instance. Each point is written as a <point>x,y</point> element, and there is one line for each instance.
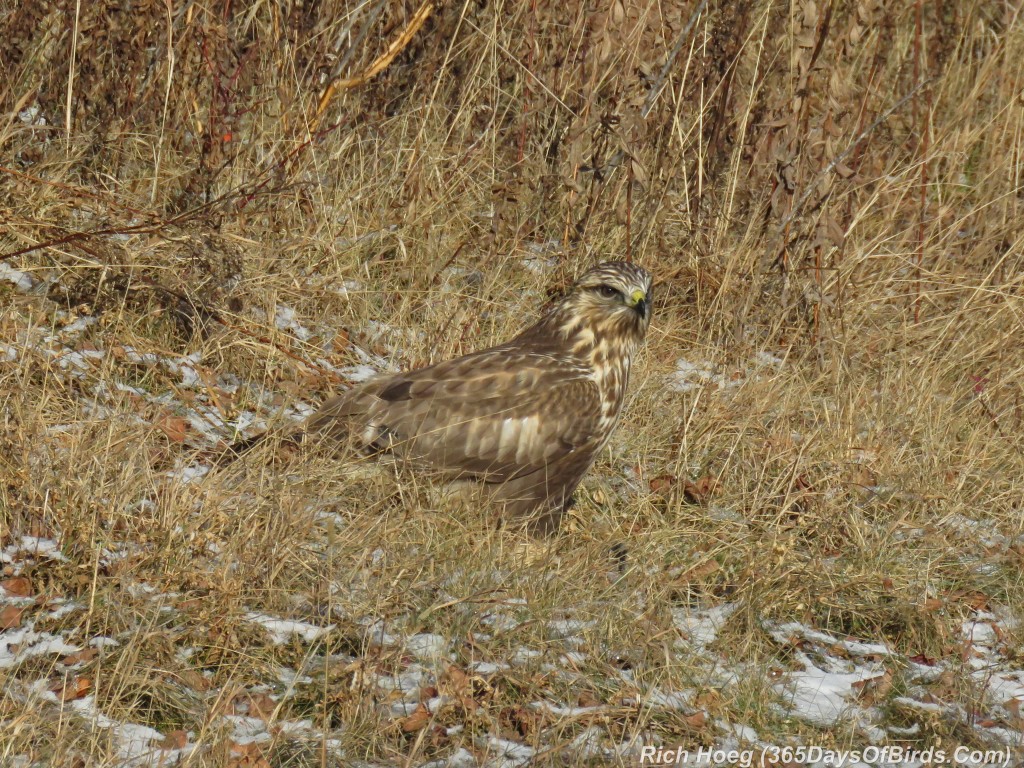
<point>608,292</point>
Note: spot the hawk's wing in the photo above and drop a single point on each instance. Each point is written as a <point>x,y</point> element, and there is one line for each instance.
<point>499,414</point>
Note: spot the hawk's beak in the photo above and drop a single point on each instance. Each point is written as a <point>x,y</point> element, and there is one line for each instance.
<point>638,301</point>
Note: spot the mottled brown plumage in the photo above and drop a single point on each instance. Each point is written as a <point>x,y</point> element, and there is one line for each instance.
<point>525,419</point>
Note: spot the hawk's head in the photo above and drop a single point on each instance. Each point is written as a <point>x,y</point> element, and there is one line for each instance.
<point>610,303</point>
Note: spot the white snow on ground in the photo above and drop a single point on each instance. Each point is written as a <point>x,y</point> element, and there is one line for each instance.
<point>281,630</point>
<point>821,689</point>
<point>286,319</point>
<point>22,281</point>
<point>376,633</point>
<point>539,264</point>
<point>17,645</point>
<point>689,376</point>
<point>358,373</point>
<point>563,711</point>
<point>823,697</point>
<point>1002,683</point>
<point>32,547</point>
<point>188,473</point>
<point>31,116</point>
<point>136,745</point>
<point>428,647</point>
<point>502,753</point>
<point>565,628</point>
<point>185,368</point>
<point>785,631</point>
<point>700,627</point>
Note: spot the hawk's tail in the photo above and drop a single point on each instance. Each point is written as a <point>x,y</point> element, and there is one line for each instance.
<point>329,426</point>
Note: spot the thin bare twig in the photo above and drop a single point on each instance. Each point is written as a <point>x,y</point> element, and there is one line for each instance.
<point>659,81</point>
<point>380,63</point>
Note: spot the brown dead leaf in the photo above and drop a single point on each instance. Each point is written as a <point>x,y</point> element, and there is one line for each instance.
<point>933,604</point>
<point>249,761</point>
<point>246,756</point>
<point>844,171</point>
<point>19,586</point>
<point>174,427</point>
<point>10,616</point>
<point>72,688</point>
<point>82,656</point>
<point>439,737</point>
<point>1013,707</point>
<point>697,721</point>
<point>174,740</point>
<point>195,680</point>
<point>873,689</point>
<point>261,706</point>
<point>417,721</point>
<point>462,686</point>
<point>708,699</point>
<point>523,720</point>
<point>662,484</point>
<point>699,491</point>
<point>979,601</point>
<point>863,477</point>
<point>700,571</point>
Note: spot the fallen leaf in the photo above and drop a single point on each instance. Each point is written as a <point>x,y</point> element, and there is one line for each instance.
<point>69,689</point>
<point>662,484</point>
<point>462,687</point>
<point>417,721</point>
<point>10,616</point>
<point>1013,707</point>
<point>872,689</point>
<point>979,601</point>
<point>195,680</point>
<point>526,722</point>
<point>933,604</point>
<point>700,490</point>
<point>174,740</point>
<point>84,655</point>
<point>439,737</point>
<point>708,698</point>
<point>428,692</point>
<point>174,427</point>
<point>246,756</point>
<point>19,586</point>
<point>700,572</point>
<point>259,705</point>
<point>697,721</point>
<point>844,171</point>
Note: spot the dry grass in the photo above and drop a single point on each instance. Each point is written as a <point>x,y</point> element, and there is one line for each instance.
<point>840,264</point>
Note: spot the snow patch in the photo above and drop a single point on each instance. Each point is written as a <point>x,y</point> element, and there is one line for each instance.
<point>34,547</point>
<point>22,281</point>
<point>281,630</point>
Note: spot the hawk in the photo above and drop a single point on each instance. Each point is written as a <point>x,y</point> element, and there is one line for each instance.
<point>524,419</point>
